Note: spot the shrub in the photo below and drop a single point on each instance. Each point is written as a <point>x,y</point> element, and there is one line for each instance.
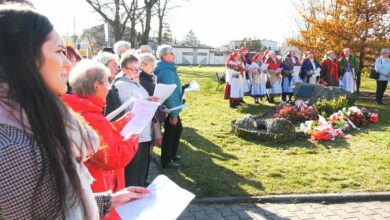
<point>327,107</point>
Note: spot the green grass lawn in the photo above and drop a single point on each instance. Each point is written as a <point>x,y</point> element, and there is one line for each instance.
<point>217,163</point>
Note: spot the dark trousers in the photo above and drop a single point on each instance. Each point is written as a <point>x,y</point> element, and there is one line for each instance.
<point>136,170</point>
<point>170,141</point>
<point>380,90</point>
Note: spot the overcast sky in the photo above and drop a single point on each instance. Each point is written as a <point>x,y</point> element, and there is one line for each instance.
<point>215,22</point>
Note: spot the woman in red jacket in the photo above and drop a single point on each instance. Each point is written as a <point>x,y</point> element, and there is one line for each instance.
<point>90,86</point>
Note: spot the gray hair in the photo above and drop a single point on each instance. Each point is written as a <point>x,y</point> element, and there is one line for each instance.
<point>146,48</point>
<point>105,58</point>
<point>84,75</point>
<point>164,49</point>
<point>120,45</point>
<point>384,51</point>
<point>145,58</point>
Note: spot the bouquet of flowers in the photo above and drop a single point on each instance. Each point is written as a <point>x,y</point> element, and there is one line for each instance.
<point>321,130</point>
<point>373,118</point>
<point>360,116</point>
<point>339,121</point>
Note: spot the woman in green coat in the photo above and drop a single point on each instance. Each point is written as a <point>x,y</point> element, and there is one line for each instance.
<point>347,71</point>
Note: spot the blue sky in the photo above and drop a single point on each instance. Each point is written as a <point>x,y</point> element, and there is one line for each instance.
<point>214,22</point>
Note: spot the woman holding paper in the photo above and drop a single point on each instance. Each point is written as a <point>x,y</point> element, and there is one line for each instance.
<point>148,81</point>
<point>258,78</point>
<point>310,69</point>
<point>43,144</point>
<point>347,70</point>
<point>167,74</point>
<point>89,80</point>
<point>234,86</point>
<point>129,87</point>
<point>290,72</point>
<point>274,75</point>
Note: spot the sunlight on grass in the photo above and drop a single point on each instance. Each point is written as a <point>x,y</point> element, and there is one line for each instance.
<point>217,163</point>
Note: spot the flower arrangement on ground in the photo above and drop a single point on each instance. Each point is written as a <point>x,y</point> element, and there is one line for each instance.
<point>343,120</point>
<point>300,111</point>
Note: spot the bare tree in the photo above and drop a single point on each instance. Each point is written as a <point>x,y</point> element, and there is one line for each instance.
<point>112,11</point>
<point>149,4</point>
<point>162,8</point>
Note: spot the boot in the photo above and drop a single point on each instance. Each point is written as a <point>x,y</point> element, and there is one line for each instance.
<point>284,97</point>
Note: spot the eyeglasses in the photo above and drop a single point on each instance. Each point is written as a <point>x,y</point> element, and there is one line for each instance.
<point>132,69</point>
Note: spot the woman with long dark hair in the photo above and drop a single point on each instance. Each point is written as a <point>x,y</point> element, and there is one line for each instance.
<point>42,145</point>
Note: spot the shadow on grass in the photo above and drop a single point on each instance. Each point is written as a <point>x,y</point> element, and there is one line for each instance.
<point>202,157</point>
<point>255,109</point>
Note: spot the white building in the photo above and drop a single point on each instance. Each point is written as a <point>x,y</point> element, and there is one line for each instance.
<point>198,54</point>
<point>270,44</point>
<point>265,44</point>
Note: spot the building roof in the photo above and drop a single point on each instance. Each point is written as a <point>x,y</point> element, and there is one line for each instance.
<point>188,45</point>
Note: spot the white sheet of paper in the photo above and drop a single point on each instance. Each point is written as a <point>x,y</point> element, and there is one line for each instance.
<point>317,71</point>
<point>120,109</point>
<point>194,87</point>
<point>264,66</point>
<point>279,70</point>
<point>143,113</point>
<point>165,202</point>
<point>163,91</point>
<point>178,107</point>
<point>296,70</point>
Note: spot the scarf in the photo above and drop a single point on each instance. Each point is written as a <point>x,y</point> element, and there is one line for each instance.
<point>83,142</point>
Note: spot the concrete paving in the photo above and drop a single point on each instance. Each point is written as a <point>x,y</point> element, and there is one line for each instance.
<point>375,210</point>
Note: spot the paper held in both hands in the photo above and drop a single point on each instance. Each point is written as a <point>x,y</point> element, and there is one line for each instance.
<point>264,66</point>
<point>143,112</point>
<point>296,70</point>
<point>165,202</point>
<point>120,109</point>
<point>163,91</point>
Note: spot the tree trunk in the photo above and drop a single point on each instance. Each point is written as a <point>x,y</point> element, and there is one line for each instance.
<point>160,30</point>
<point>148,19</point>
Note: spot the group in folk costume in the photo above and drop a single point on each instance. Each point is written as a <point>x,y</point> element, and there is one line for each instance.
<point>347,70</point>
<point>309,67</point>
<point>257,78</point>
<point>289,78</point>
<point>234,79</point>
<point>330,70</point>
<point>275,79</point>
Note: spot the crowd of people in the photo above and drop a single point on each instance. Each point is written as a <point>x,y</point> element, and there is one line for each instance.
<point>264,75</point>
<point>61,157</point>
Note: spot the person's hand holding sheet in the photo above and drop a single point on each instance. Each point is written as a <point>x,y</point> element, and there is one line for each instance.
<point>143,112</point>
<point>163,91</point>
<point>128,194</point>
<point>165,202</point>
<point>194,86</point>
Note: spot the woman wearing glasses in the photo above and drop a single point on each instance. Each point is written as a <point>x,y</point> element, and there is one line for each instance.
<point>128,87</point>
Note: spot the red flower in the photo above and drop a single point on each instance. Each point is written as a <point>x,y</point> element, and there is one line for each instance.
<point>352,117</point>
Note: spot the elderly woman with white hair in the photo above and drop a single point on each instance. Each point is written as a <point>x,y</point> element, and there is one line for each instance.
<point>89,80</point>
<point>112,101</point>
<point>148,80</point>
<point>121,47</point>
<point>167,74</point>
<point>382,66</point>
